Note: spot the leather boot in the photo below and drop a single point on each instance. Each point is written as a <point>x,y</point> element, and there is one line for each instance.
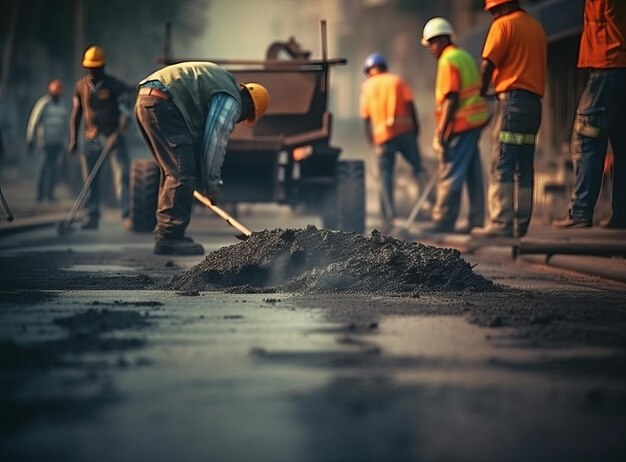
<point>178,246</point>
<point>501,208</point>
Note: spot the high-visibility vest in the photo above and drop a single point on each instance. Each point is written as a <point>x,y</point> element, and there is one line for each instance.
<point>472,110</point>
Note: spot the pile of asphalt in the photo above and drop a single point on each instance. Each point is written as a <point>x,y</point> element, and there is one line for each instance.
<point>315,260</point>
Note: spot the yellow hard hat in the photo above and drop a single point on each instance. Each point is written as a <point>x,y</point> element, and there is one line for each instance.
<point>94,58</point>
<point>260,99</point>
<point>55,87</point>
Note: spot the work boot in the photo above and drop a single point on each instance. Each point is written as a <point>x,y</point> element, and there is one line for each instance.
<point>128,223</point>
<point>615,223</point>
<point>501,211</point>
<point>178,246</point>
<point>440,227</point>
<point>494,229</point>
<point>90,223</point>
<point>572,222</point>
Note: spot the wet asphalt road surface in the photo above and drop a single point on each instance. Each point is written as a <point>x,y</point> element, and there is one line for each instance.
<point>97,363</point>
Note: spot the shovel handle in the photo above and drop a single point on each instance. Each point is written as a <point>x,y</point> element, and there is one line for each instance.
<point>221,213</point>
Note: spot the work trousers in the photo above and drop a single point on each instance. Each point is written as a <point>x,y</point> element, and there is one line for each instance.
<point>48,173</point>
<point>600,118</point>
<point>120,166</point>
<point>515,127</point>
<point>166,134</point>
<point>460,165</point>
<point>406,145</point>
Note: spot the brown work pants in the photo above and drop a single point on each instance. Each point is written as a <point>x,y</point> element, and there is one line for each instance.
<point>166,134</point>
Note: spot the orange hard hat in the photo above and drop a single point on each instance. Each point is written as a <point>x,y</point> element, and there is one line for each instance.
<point>489,4</point>
<point>94,58</point>
<point>260,100</point>
<point>55,87</point>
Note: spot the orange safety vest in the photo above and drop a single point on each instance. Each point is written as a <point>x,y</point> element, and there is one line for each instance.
<point>457,73</point>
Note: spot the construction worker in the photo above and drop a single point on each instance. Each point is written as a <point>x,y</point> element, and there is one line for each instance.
<point>391,125</point>
<point>48,124</point>
<point>514,58</point>
<point>601,114</point>
<point>186,112</point>
<point>461,113</point>
<point>102,102</point>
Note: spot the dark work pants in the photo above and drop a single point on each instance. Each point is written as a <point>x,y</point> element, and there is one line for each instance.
<point>518,113</point>
<point>406,145</point>
<point>516,123</point>
<point>48,173</point>
<point>166,134</point>
<point>600,118</point>
<point>121,168</point>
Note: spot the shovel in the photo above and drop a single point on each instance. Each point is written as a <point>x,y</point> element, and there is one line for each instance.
<point>420,202</point>
<point>5,206</point>
<point>65,226</point>
<point>224,216</point>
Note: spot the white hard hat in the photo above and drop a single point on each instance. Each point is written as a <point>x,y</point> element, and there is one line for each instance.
<point>434,28</point>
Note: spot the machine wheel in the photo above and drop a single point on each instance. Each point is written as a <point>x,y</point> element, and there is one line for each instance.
<point>144,190</point>
<point>345,205</point>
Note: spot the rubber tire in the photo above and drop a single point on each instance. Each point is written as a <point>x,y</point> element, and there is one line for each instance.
<point>145,178</point>
<point>345,205</point>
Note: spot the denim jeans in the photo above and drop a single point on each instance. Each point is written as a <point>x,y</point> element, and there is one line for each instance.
<point>405,144</point>
<point>600,118</point>
<point>121,171</point>
<point>166,134</point>
<point>461,166</point>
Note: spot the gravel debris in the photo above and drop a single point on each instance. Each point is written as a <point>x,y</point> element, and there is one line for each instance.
<point>313,260</point>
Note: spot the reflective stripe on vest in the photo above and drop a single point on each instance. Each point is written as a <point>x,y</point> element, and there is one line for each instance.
<point>516,138</point>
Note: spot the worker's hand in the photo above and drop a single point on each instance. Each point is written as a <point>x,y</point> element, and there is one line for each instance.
<point>30,148</point>
<point>439,147</point>
<point>72,148</point>
<point>214,191</point>
<point>379,151</point>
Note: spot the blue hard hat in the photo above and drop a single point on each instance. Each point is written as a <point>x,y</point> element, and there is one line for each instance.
<point>375,59</point>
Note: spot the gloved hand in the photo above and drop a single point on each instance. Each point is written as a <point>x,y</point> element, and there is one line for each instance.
<point>439,147</point>
<point>213,192</point>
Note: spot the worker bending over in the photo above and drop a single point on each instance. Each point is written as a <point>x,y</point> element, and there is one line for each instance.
<point>186,112</point>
